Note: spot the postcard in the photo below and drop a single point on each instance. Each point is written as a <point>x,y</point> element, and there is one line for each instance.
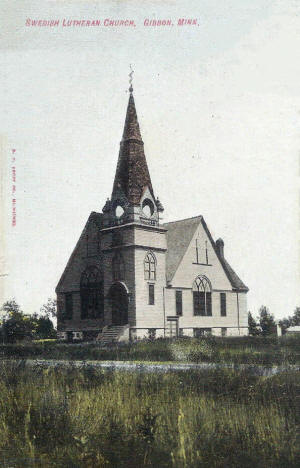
<point>149,197</point>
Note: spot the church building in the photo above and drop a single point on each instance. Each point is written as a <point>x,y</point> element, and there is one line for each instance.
<point>131,277</point>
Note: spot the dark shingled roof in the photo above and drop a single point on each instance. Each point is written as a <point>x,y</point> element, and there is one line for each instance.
<point>235,281</point>
<point>179,236</point>
<point>132,174</point>
<point>131,127</point>
<point>97,219</point>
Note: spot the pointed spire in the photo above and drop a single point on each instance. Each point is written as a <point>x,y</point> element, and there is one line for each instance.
<point>131,127</point>
<point>132,174</point>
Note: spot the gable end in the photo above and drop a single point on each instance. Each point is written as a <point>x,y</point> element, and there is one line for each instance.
<point>94,218</point>
<point>179,236</point>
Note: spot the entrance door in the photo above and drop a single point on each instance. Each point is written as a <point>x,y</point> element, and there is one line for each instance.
<point>172,327</point>
<point>119,304</point>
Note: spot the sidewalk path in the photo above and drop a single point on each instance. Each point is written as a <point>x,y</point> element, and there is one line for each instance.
<point>156,367</point>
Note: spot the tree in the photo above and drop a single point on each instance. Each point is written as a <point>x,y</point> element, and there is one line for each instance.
<point>16,330</point>
<point>296,317</point>
<point>50,308</point>
<point>290,321</point>
<point>284,324</point>
<point>266,322</point>
<point>253,325</point>
<point>15,325</point>
<point>11,309</point>
<point>45,328</point>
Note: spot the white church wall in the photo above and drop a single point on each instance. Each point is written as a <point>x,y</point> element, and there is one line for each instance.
<point>149,316</point>
<point>216,321</point>
<point>145,237</point>
<point>183,280</point>
<point>243,309</point>
<point>188,319</point>
<point>188,270</point>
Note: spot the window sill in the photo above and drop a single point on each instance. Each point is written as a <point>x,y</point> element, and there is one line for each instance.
<point>202,315</point>
<point>204,264</point>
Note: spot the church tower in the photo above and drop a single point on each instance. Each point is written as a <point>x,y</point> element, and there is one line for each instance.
<point>133,243</point>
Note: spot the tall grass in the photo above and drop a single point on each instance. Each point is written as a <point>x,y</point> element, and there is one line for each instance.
<point>94,418</point>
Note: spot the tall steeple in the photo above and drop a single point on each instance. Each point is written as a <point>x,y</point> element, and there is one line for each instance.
<point>132,174</point>
<point>132,198</point>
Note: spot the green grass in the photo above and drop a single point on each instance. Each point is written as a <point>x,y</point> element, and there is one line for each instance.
<point>262,351</point>
<point>95,418</point>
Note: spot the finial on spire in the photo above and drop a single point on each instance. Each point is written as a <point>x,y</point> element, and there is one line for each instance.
<point>130,79</point>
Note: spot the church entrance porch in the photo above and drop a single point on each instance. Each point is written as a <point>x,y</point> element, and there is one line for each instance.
<point>119,304</point>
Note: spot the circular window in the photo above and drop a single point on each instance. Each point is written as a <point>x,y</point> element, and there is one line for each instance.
<point>148,208</point>
<point>119,211</point>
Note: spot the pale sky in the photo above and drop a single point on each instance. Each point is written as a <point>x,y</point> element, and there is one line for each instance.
<point>218,106</point>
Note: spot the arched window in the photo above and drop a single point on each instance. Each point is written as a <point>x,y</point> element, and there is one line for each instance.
<point>150,266</point>
<point>91,293</point>
<point>202,296</point>
<point>118,267</point>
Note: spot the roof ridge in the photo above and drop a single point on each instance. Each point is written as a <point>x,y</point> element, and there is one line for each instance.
<point>185,219</point>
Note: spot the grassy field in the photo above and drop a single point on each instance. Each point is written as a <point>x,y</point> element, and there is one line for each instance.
<point>251,350</point>
<point>76,418</point>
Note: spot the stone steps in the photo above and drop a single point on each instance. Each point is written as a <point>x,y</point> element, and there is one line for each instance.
<point>111,334</point>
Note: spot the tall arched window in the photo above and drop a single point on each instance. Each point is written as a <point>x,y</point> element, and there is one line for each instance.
<point>150,266</point>
<point>91,293</point>
<point>202,296</point>
<point>118,267</point>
